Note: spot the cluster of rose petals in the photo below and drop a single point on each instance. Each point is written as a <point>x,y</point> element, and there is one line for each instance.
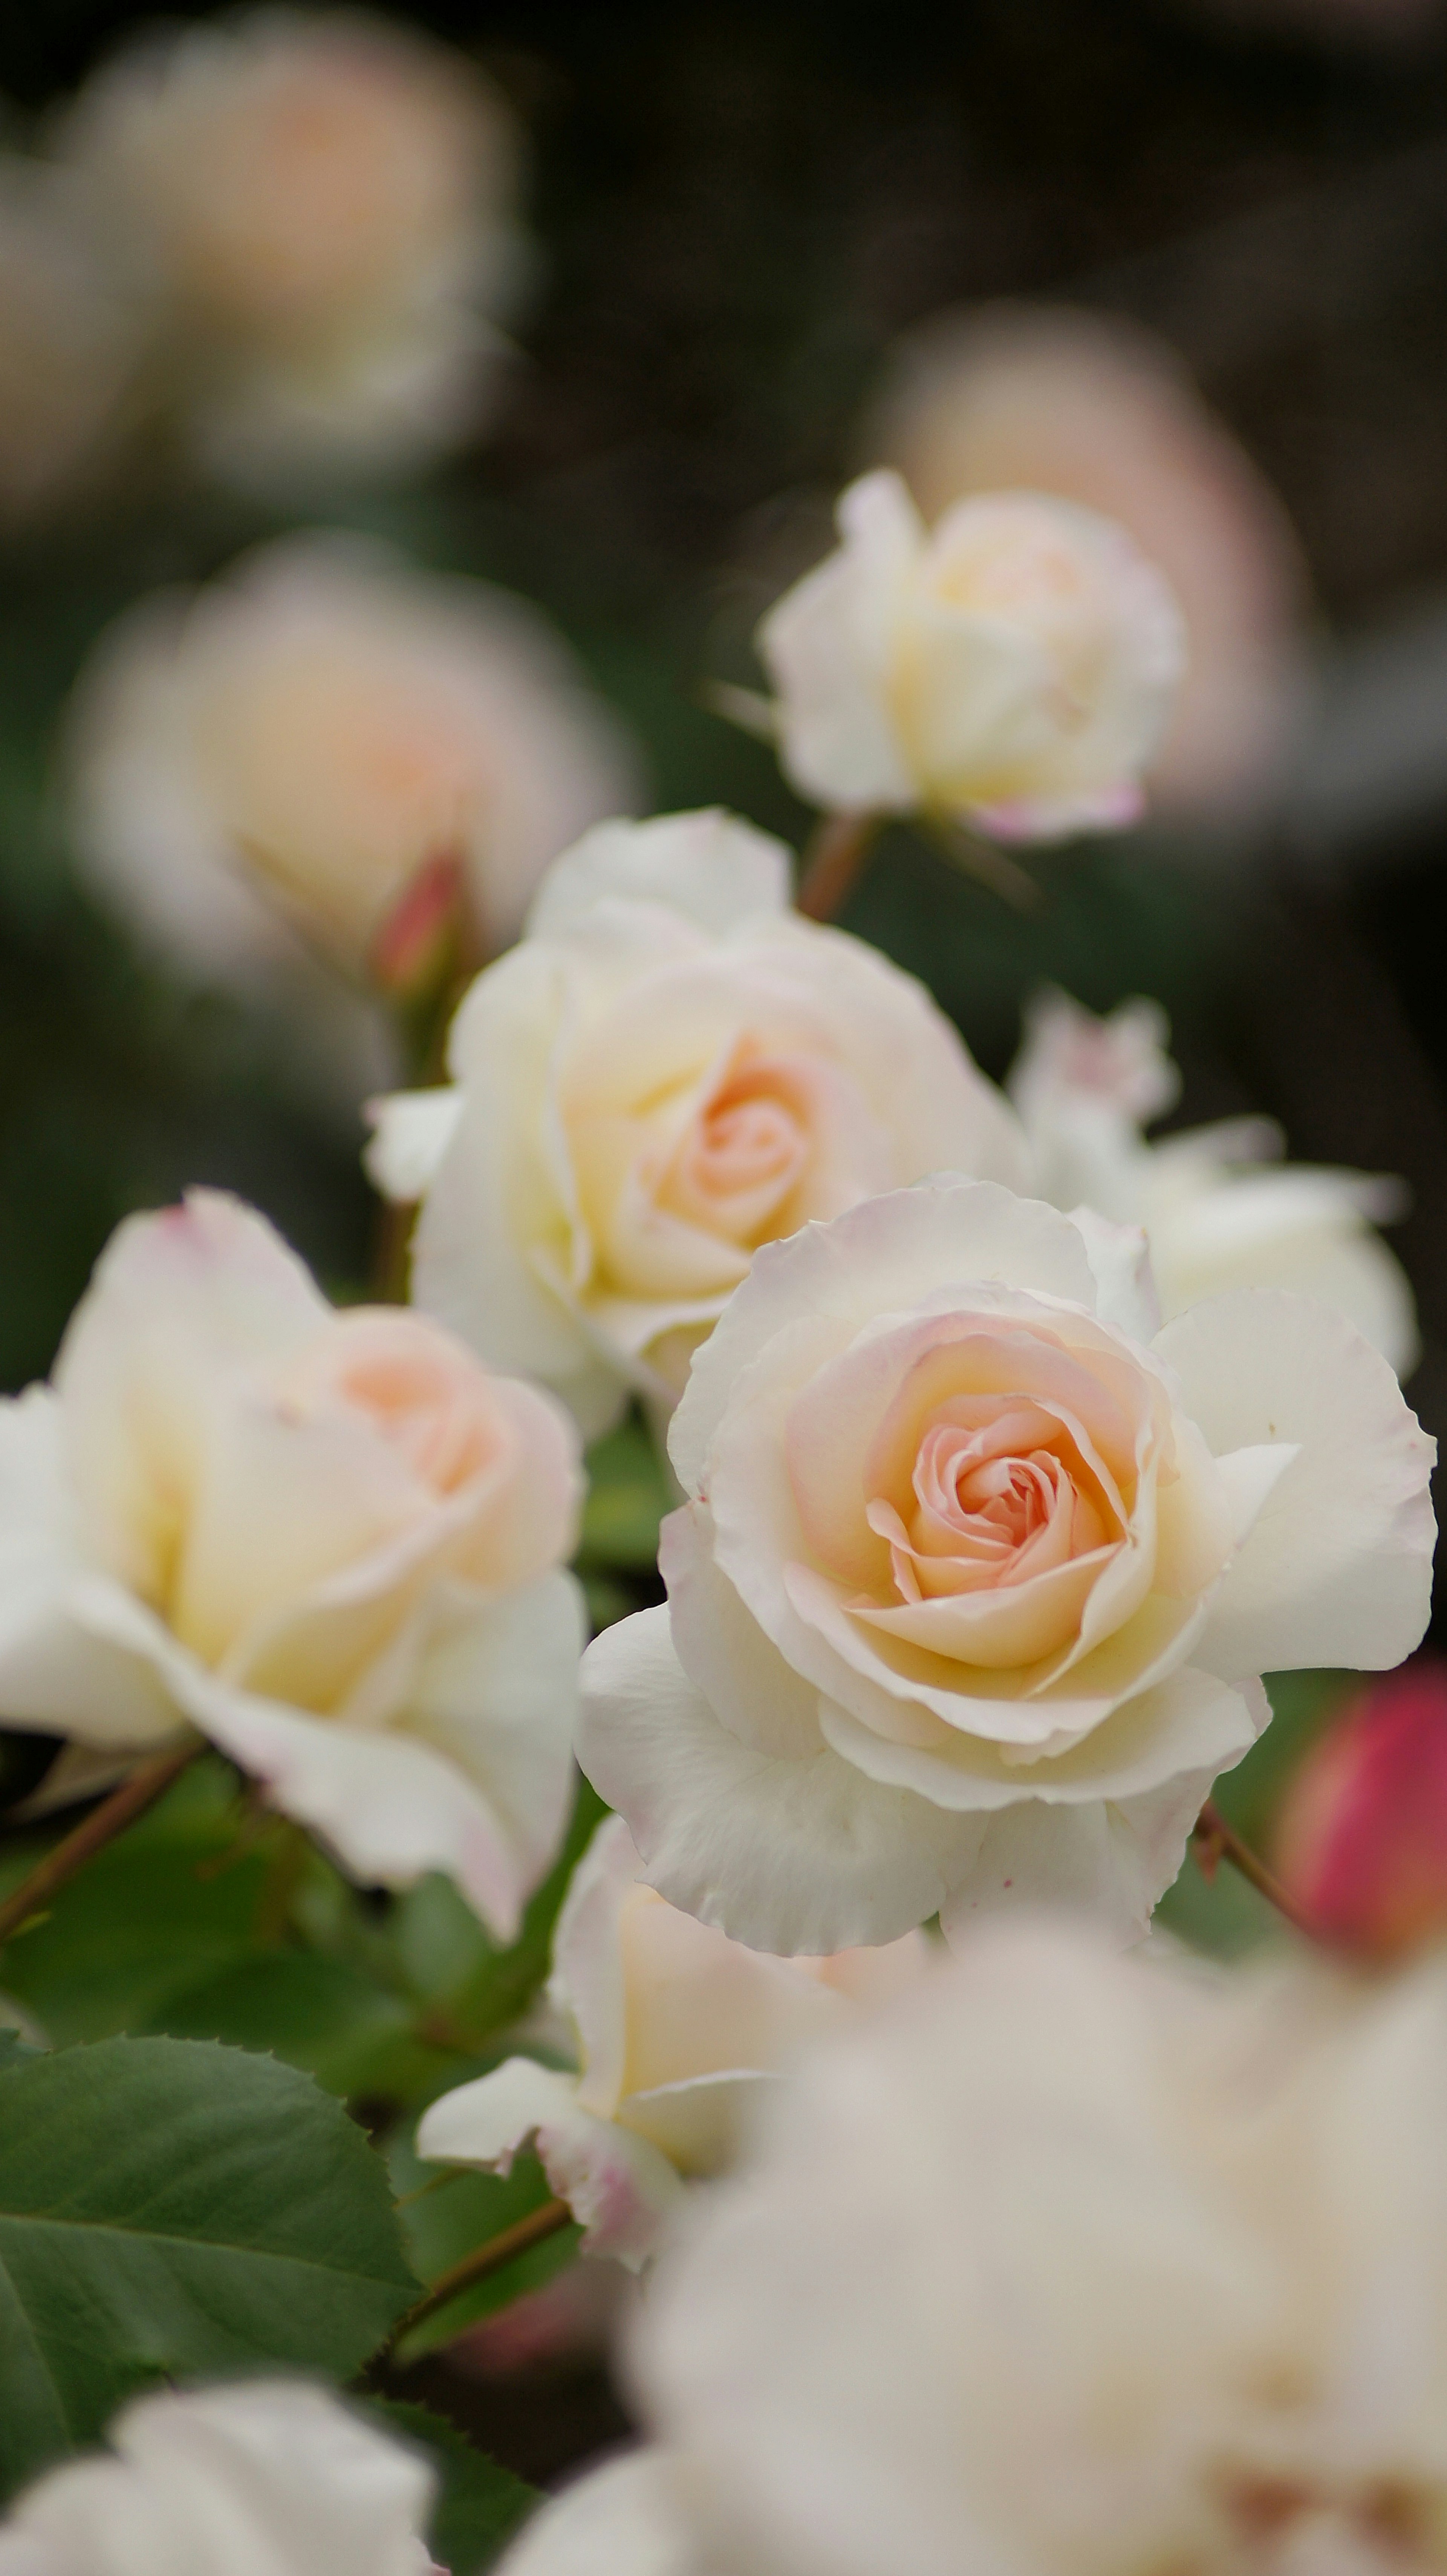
<point>676,2030</point>
<point>1074,2264</point>
<point>1075,403</point>
<point>977,1571</point>
<point>313,214</point>
<point>290,748</point>
<point>1013,667</point>
<point>1361,1841</point>
<point>271,2476</point>
<point>1214,1217</point>
<point>332,1542</point>
<point>671,1069</point>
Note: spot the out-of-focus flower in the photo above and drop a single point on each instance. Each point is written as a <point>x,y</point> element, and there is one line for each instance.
<point>1072,2264</point>
<point>676,2029</point>
<point>65,352</point>
<point>670,1070</point>
<point>1362,1837</point>
<point>1014,667</point>
<point>1214,1218</point>
<point>332,1542</point>
<point>316,740</point>
<point>271,2477</point>
<point>975,1579</point>
<point>1070,402</point>
<point>316,211</point>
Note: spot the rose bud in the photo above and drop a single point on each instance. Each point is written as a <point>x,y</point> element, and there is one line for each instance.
<point>1362,1841</point>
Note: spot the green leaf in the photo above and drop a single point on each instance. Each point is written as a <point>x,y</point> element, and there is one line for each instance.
<point>503,1982</point>
<point>628,1494</point>
<point>480,2505</point>
<point>167,2208</point>
<point>14,2050</point>
<point>319,2014</point>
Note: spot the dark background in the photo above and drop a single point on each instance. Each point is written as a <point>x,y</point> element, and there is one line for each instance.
<point>739,208</point>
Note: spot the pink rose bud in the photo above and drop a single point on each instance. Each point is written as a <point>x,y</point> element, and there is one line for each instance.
<point>410,950</point>
<point>1362,1844</point>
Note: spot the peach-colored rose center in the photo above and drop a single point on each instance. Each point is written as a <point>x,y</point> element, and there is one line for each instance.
<point>999,1491</point>
<point>745,1150</point>
<point>429,1402</point>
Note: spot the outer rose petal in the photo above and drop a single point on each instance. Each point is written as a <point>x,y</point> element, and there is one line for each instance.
<point>814,1857</point>
<point>708,864</point>
<point>825,644</point>
<point>620,2186</point>
<point>497,1694</point>
<point>411,1131</point>
<point>883,1256</point>
<point>1338,1567</point>
<point>622,2520</point>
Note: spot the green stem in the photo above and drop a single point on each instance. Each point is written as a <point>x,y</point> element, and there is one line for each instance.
<point>148,1782</point>
<point>832,862</point>
<point>484,2260</point>
<point>1215,1840</point>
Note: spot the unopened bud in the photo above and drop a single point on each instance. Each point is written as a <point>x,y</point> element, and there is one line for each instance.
<point>1362,1842</point>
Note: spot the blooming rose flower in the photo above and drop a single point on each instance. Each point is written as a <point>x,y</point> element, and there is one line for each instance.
<point>1014,666</point>
<point>676,2028</point>
<point>975,1578</point>
<point>1104,415</point>
<point>1361,1841</point>
<point>330,1541</point>
<point>311,736</point>
<point>671,1069</point>
<point>317,211</point>
<point>1214,1219</point>
<point>271,2476</point>
<point>1071,2265</point>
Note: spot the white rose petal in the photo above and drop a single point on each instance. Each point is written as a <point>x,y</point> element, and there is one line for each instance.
<point>677,2031</point>
<point>971,1588</point>
<point>671,1069</point>
<point>1014,666</point>
<point>331,1542</point>
<point>1074,2263</point>
<point>1213,1217</point>
<point>272,2476</point>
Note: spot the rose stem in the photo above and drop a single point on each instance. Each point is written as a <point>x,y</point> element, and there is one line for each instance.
<point>832,861</point>
<point>146,1784</point>
<point>486,2259</point>
<point>1215,1840</point>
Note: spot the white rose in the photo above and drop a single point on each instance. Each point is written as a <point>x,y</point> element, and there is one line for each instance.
<point>672,1069</point>
<point>1013,666</point>
<point>1074,2265</point>
<point>1097,411</point>
<point>676,2029</point>
<point>1214,1220</point>
<point>974,1581</point>
<point>271,2477</point>
<point>317,213</point>
<point>311,737</point>
<point>330,1541</point>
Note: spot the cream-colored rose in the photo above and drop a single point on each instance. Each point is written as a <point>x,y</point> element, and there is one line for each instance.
<point>270,2477</point>
<point>675,2029</point>
<point>978,1571</point>
<point>300,742</point>
<point>1214,1218</point>
<point>1077,404</point>
<point>66,349</point>
<point>1013,667</point>
<point>317,212</point>
<point>330,1541</point>
<point>671,1069</point>
<point>1074,2265</point>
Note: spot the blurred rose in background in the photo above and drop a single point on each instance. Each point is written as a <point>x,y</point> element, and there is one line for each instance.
<point>67,353</point>
<point>267,766</point>
<point>1048,399</point>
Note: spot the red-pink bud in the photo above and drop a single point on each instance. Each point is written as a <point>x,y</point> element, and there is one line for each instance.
<point>411,947</point>
<point>1361,1846</point>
